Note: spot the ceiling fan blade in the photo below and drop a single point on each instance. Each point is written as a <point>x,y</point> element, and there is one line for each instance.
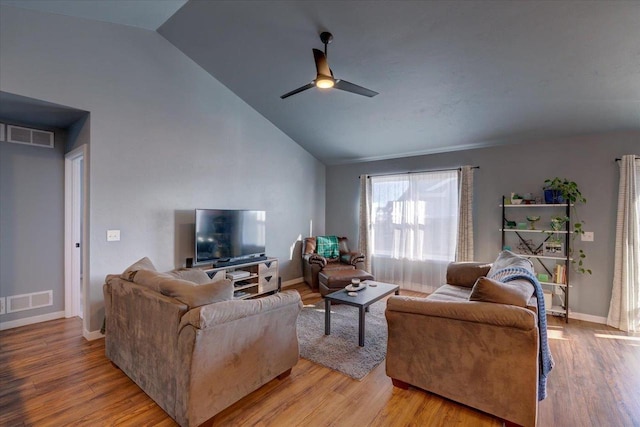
<point>300,89</point>
<point>322,66</point>
<point>353,88</point>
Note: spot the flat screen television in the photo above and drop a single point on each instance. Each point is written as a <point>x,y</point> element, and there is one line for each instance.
<point>224,235</point>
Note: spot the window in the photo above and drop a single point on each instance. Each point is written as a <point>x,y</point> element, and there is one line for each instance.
<point>413,228</point>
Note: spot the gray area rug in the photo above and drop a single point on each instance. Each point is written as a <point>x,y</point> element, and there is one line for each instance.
<point>340,350</point>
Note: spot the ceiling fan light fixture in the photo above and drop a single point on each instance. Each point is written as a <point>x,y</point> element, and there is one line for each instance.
<point>325,82</point>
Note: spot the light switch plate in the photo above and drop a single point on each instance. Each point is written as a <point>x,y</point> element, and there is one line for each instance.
<point>587,236</point>
<point>113,235</point>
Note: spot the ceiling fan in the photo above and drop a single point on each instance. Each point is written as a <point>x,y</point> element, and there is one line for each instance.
<point>324,78</point>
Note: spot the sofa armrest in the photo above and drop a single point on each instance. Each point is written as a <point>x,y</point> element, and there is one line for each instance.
<point>315,259</point>
<point>351,258</point>
<point>219,313</point>
<point>468,311</point>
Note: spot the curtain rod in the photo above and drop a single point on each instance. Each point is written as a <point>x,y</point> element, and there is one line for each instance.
<point>422,171</point>
<point>618,158</point>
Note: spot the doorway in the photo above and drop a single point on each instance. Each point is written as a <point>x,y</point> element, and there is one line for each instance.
<point>75,184</point>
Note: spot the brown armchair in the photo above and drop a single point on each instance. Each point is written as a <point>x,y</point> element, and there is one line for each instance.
<point>313,263</point>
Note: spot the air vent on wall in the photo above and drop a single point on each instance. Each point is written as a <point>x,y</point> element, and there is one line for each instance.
<point>1,131</point>
<point>29,301</point>
<point>21,135</point>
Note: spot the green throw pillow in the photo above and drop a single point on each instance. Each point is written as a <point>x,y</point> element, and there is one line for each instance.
<point>327,246</point>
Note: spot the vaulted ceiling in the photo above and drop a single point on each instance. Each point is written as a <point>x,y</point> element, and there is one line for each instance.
<point>451,75</point>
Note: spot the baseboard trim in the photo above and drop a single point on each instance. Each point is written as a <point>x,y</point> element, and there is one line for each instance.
<point>31,320</point>
<point>92,336</point>
<point>588,318</point>
<point>292,282</point>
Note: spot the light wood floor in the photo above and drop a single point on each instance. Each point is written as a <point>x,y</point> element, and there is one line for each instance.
<point>51,376</point>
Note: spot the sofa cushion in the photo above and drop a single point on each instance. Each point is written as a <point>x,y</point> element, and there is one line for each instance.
<point>513,293</point>
<point>194,275</point>
<point>327,246</point>
<point>509,259</point>
<point>142,264</point>
<point>466,273</point>
<point>197,295</point>
<point>450,293</point>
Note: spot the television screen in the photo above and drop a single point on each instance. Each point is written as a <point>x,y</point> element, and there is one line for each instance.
<point>226,235</point>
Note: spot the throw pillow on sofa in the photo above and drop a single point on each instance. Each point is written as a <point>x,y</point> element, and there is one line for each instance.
<point>465,274</point>
<point>197,295</point>
<point>509,259</point>
<point>150,279</point>
<point>189,293</point>
<point>194,275</point>
<point>513,293</point>
<point>142,264</point>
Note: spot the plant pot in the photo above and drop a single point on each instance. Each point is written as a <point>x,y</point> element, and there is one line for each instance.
<point>553,197</point>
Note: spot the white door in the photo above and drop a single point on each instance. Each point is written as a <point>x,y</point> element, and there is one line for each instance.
<point>74,183</point>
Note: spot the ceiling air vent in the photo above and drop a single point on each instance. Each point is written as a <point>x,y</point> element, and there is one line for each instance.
<point>20,135</point>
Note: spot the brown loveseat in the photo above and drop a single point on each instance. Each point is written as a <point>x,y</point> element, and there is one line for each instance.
<point>191,347</point>
<point>474,341</point>
<point>313,263</point>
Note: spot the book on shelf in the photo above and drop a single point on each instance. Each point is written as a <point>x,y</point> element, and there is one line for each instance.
<point>560,274</point>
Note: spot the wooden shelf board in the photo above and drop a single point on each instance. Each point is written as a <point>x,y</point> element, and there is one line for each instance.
<point>557,309</point>
<point>554,284</point>
<point>536,205</point>
<point>526,230</point>
<point>559,258</point>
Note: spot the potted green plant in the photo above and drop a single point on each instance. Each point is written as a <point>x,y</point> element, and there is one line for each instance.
<point>562,190</point>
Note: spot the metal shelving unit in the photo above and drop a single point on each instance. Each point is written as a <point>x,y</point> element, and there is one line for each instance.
<point>560,291</point>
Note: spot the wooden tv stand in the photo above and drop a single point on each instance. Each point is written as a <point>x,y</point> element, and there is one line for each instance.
<point>262,278</point>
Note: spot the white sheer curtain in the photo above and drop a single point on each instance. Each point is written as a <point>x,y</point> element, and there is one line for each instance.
<point>413,232</point>
<point>624,309</point>
<point>464,247</point>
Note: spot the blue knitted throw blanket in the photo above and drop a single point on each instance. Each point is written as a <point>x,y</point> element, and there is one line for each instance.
<point>546,360</point>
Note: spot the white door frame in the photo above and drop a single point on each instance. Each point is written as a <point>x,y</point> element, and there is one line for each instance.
<point>75,184</point>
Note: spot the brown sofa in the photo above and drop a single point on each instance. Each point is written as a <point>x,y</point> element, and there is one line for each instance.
<point>474,341</point>
<point>189,345</point>
<point>313,263</point>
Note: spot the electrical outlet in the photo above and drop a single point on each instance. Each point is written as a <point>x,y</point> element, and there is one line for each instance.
<point>587,236</point>
<point>3,308</point>
<point>113,235</point>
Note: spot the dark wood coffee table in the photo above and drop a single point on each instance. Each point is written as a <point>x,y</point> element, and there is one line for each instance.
<point>363,300</point>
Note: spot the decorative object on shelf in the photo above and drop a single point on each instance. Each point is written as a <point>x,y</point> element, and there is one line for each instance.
<point>553,248</point>
<point>532,221</point>
<point>543,277</point>
<point>562,190</point>
<point>510,224</point>
<point>522,226</point>
<point>526,246</point>
<point>516,199</point>
<point>557,222</point>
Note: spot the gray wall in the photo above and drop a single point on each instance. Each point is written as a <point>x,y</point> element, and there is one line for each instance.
<point>588,160</point>
<point>166,137</point>
<point>32,221</point>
